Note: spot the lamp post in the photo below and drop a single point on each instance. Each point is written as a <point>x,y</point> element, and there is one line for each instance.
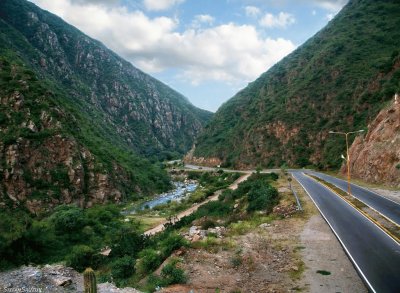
<point>348,155</point>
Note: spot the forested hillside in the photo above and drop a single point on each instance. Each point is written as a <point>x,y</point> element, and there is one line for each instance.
<point>337,80</point>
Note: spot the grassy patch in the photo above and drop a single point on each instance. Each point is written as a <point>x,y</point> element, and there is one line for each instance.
<point>296,271</point>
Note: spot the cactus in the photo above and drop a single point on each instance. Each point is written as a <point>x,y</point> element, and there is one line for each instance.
<point>89,280</point>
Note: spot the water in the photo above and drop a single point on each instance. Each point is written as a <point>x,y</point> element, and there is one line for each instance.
<point>177,194</point>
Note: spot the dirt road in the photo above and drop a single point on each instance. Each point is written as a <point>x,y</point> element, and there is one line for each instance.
<point>194,208</point>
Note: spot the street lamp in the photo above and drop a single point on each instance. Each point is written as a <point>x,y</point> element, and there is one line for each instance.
<point>348,154</point>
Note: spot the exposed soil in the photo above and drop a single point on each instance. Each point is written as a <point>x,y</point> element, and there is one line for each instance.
<point>282,256</point>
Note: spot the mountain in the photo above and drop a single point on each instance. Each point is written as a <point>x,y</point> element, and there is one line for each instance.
<point>77,122</point>
<point>376,158</point>
<point>338,80</point>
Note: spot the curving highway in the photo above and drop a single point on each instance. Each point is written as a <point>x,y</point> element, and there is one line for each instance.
<point>375,254</point>
<point>384,206</point>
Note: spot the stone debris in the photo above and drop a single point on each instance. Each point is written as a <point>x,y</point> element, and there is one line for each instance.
<point>50,279</point>
<point>195,233</point>
<point>285,211</point>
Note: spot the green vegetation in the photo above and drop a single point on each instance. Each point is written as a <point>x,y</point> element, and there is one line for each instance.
<point>209,182</point>
<point>337,80</point>
<point>170,274</point>
<point>76,236</point>
<point>109,150</point>
<point>106,89</point>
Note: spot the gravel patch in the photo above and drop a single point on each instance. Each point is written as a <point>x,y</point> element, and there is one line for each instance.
<point>328,269</point>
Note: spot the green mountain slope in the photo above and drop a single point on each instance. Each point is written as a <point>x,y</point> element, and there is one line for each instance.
<point>76,120</point>
<point>337,80</point>
<point>148,115</point>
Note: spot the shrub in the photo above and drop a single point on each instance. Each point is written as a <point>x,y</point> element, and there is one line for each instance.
<point>80,258</point>
<point>127,242</point>
<point>172,275</point>
<point>68,219</point>
<point>207,223</point>
<point>149,260</point>
<point>262,199</point>
<point>171,243</point>
<point>123,267</point>
<point>214,208</point>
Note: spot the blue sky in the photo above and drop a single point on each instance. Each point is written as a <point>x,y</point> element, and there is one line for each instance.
<point>205,49</point>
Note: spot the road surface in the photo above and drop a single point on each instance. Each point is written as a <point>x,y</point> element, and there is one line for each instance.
<point>384,206</point>
<point>375,255</point>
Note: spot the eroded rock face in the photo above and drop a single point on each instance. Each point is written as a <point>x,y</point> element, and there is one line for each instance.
<point>201,161</point>
<point>376,158</point>
<point>47,167</point>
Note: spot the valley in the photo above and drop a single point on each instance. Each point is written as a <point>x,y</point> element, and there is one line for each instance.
<point>111,180</point>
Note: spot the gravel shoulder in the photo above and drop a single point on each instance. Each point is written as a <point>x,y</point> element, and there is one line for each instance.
<point>328,269</point>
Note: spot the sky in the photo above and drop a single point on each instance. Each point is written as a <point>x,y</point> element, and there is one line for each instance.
<point>207,50</point>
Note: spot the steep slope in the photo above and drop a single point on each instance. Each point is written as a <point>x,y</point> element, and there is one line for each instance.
<point>376,158</point>
<point>76,119</point>
<point>150,116</point>
<point>337,80</point>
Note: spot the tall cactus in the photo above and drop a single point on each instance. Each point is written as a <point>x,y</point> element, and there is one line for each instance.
<point>89,280</point>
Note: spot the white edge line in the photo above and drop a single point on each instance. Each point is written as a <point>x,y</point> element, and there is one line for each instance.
<point>368,205</point>
<point>337,236</point>
<point>395,241</point>
<point>362,187</point>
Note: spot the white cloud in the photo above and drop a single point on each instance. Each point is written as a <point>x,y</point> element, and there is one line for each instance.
<point>252,11</point>
<point>201,19</point>
<point>330,16</point>
<point>314,12</point>
<point>331,5</point>
<point>158,5</point>
<point>230,53</point>
<point>282,20</point>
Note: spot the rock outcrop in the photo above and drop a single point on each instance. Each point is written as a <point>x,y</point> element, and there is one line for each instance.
<point>376,158</point>
<point>78,124</point>
<point>51,279</point>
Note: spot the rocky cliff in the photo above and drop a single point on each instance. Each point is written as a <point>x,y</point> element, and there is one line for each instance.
<point>375,158</point>
<point>338,80</point>
<point>148,115</point>
<point>78,124</point>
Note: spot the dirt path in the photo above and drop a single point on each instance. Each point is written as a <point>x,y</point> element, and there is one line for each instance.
<point>194,208</point>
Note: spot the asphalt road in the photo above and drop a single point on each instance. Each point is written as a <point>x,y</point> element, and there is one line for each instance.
<point>375,255</point>
<point>386,207</point>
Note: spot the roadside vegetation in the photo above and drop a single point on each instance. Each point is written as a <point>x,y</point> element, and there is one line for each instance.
<point>76,236</point>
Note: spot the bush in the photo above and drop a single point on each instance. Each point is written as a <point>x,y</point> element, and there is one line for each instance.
<point>149,260</point>
<point>171,243</point>
<point>127,242</point>
<point>262,199</point>
<point>80,258</point>
<point>207,223</point>
<point>214,208</point>
<point>123,267</point>
<point>68,219</point>
<point>172,275</point>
